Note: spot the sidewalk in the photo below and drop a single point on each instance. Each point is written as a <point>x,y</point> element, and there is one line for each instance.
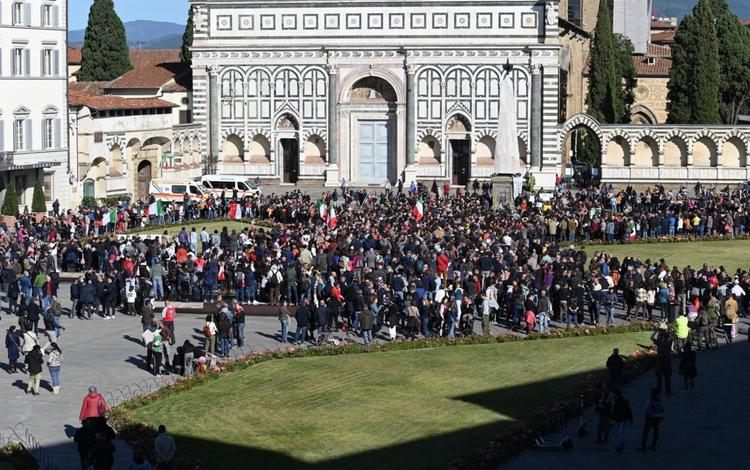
<point>703,429</point>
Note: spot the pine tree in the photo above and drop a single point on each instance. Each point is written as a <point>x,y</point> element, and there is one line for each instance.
<point>694,81</point>
<point>605,95</point>
<point>37,200</point>
<point>186,57</point>
<point>105,54</point>
<point>734,61</point>
<point>10,203</point>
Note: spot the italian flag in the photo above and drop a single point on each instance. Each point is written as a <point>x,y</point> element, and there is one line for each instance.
<point>322,210</point>
<point>110,217</point>
<point>235,211</point>
<point>155,209</point>
<point>419,209</point>
<point>331,216</point>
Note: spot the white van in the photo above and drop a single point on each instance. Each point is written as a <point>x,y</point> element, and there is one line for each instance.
<point>215,184</point>
<point>175,189</point>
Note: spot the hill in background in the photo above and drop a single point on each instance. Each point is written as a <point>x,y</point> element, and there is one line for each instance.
<point>679,8</point>
<point>143,34</point>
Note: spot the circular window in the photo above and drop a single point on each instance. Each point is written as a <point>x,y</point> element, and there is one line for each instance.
<point>185,101</point>
<point>642,92</point>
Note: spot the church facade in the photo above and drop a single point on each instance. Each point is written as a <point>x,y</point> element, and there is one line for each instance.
<point>370,91</point>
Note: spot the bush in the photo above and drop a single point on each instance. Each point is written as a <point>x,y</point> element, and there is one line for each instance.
<point>10,203</point>
<point>37,202</point>
<point>88,202</point>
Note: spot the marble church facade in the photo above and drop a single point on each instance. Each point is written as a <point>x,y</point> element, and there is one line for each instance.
<point>372,90</point>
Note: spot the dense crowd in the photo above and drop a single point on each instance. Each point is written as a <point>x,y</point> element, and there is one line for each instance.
<point>378,265</point>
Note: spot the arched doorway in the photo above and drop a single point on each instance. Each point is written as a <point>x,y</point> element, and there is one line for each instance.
<point>287,129</point>
<point>458,130</point>
<point>143,178</point>
<point>373,102</point>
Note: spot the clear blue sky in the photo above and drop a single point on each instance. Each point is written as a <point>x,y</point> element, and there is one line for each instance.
<point>174,11</point>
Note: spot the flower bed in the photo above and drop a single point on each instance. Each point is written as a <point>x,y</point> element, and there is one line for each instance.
<point>141,435</point>
<point>656,240</point>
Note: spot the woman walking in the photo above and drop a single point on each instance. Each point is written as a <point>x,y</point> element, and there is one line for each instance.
<point>54,361</point>
<point>687,367</point>
<point>13,345</point>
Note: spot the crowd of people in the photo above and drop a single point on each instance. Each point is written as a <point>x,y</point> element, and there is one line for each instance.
<point>373,265</point>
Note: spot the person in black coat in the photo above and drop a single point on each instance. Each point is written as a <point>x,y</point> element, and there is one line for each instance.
<point>34,314</point>
<point>85,438</point>
<point>688,367</point>
<point>303,317</point>
<point>615,366</point>
<point>34,360</point>
<point>322,314</point>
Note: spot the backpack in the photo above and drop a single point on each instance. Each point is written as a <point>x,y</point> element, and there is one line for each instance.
<point>657,410</point>
<point>206,331</point>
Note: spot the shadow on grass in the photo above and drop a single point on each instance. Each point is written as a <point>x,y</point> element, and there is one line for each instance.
<point>435,451</point>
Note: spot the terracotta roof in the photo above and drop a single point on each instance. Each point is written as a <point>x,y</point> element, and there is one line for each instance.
<point>74,56</point>
<point>664,36</point>
<point>659,50</point>
<point>746,22</point>
<point>90,94</point>
<point>152,69</point>
<point>657,62</point>
<point>661,25</point>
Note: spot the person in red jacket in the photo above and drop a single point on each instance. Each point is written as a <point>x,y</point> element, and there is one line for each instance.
<point>94,405</point>
<point>442,262</point>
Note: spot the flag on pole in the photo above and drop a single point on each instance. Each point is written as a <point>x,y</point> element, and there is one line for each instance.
<point>110,217</point>
<point>331,216</point>
<point>155,209</point>
<point>235,211</point>
<point>322,210</point>
<point>419,209</point>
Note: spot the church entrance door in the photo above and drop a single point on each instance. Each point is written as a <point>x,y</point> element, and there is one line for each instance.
<point>374,140</point>
<point>290,149</point>
<point>461,160</point>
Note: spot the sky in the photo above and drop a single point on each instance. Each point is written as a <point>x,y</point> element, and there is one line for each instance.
<point>157,10</point>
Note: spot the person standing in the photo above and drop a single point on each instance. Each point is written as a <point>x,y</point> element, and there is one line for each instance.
<point>615,366</point>
<point>284,317</point>
<point>102,454</point>
<point>367,321</point>
<point>13,345</point>
<point>157,348</point>
<point>688,368</point>
<point>85,438</point>
<point>34,360</point>
<point>168,315</point>
<point>238,324</point>
<point>209,332</point>
<point>621,414</point>
<point>654,415</point>
<point>663,358</point>
<point>94,406</point>
<point>681,330</point>
<point>303,322</point>
<point>165,449</point>
<point>54,362</point>
<point>147,314</point>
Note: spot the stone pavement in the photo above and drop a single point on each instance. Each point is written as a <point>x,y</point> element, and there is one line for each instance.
<point>701,429</point>
<point>109,355</point>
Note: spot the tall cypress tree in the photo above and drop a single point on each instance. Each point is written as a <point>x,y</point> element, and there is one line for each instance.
<point>187,40</point>
<point>605,95</point>
<point>105,54</point>
<point>734,61</point>
<point>694,81</point>
<point>627,72</point>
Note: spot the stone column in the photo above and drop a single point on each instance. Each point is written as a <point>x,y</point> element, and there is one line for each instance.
<point>331,114</point>
<point>535,134</point>
<point>332,150</point>
<point>213,123</point>
<point>411,115</point>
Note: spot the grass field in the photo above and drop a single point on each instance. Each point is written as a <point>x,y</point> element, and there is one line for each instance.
<point>409,409</point>
<point>731,254</point>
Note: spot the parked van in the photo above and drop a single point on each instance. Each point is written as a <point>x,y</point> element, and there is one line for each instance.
<point>175,189</point>
<point>215,184</point>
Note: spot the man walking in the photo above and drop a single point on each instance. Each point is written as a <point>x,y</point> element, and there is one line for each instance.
<point>654,414</point>
<point>615,366</point>
<point>621,414</point>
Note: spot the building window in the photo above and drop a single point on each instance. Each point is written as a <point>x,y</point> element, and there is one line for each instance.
<point>48,68</point>
<point>50,16</point>
<point>18,13</point>
<point>48,183</point>
<point>20,65</point>
<point>574,12</point>
<point>49,133</point>
<point>19,140</point>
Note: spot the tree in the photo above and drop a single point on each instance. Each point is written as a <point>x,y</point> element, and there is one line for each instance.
<point>105,54</point>
<point>37,201</point>
<point>605,95</point>
<point>734,62</point>
<point>10,203</point>
<point>186,57</point>
<point>627,71</point>
<point>694,81</point>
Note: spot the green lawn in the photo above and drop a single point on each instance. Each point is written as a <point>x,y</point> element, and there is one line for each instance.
<point>408,409</point>
<point>731,254</point>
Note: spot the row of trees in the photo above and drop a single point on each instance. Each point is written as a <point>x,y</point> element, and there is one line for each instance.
<point>105,54</point>
<point>710,78</point>
<point>10,202</point>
